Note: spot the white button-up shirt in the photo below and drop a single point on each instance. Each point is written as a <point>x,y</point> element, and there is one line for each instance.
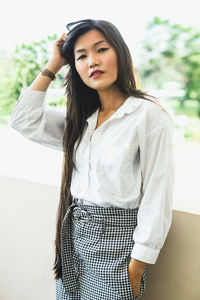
<point>126,162</point>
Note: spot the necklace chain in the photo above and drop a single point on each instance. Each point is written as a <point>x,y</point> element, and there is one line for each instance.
<point>110,116</point>
<point>120,105</point>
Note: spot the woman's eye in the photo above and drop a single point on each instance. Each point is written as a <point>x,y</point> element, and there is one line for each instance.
<point>82,56</point>
<point>103,49</point>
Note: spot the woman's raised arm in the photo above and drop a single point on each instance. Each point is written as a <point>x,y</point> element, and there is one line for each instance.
<point>32,117</point>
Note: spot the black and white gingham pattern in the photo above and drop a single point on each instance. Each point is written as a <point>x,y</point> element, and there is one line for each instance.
<point>100,240</point>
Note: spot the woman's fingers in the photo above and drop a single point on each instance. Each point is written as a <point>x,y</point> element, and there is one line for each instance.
<point>62,37</point>
<point>60,41</point>
<point>56,53</point>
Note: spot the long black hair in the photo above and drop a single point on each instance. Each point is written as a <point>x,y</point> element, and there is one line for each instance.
<point>82,102</point>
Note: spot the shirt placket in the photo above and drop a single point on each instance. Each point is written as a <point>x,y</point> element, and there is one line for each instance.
<point>91,131</point>
<point>92,137</point>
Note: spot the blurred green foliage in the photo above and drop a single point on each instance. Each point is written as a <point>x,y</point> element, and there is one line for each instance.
<point>192,127</point>
<point>170,52</point>
<point>20,69</point>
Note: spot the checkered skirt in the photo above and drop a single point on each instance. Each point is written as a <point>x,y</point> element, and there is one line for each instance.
<point>96,244</point>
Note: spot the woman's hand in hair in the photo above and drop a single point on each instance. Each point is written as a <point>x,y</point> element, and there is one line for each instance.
<point>41,83</point>
<point>57,61</point>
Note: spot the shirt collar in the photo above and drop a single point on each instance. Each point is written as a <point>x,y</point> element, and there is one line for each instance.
<point>129,106</point>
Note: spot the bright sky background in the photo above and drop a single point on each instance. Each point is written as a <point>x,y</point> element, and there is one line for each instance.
<point>25,21</point>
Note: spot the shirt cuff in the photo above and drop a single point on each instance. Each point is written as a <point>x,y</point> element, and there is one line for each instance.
<point>144,253</point>
<point>34,93</point>
<point>31,97</point>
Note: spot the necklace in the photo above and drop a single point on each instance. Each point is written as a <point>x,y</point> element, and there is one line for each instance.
<point>118,106</point>
<point>97,125</point>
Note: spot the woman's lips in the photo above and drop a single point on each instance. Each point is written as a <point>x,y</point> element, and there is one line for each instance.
<point>97,75</point>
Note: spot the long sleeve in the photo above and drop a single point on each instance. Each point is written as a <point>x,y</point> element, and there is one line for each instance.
<point>157,171</point>
<point>37,121</point>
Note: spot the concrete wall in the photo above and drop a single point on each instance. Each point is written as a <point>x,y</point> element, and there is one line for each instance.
<point>27,231</point>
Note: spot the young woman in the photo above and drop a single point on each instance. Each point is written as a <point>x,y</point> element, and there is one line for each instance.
<point>116,195</point>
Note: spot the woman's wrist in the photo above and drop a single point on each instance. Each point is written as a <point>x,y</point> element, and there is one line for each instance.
<point>53,66</point>
<point>43,80</point>
<point>139,265</point>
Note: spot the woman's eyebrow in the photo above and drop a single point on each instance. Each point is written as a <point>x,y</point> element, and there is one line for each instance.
<point>95,44</point>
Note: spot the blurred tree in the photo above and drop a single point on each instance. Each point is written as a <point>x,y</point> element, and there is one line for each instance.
<point>170,52</point>
<point>20,69</point>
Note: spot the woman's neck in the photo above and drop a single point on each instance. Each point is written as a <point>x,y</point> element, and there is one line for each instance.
<point>111,101</point>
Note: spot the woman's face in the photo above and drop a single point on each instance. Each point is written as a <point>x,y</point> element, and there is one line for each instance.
<point>101,56</point>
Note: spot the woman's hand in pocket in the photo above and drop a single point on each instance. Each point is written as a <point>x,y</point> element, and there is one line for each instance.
<point>135,272</point>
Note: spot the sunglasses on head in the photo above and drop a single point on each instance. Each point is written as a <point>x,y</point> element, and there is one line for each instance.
<point>71,26</point>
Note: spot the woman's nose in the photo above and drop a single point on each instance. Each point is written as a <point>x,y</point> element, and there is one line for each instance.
<point>93,60</point>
